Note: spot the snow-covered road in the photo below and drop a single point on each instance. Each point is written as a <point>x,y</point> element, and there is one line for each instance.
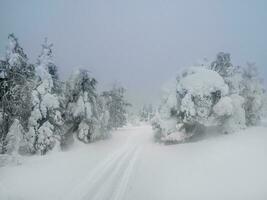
<point>130,166</point>
<point>110,178</point>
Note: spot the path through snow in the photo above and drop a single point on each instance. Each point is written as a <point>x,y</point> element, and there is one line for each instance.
<point>110,178</point>
<point>130,166</point>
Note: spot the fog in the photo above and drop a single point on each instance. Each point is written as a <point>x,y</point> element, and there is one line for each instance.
<point>140,44</point>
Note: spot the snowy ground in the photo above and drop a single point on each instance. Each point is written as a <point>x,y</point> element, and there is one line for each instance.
<point>130,166</point>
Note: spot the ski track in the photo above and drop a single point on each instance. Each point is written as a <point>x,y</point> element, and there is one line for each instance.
<point>110,179</point>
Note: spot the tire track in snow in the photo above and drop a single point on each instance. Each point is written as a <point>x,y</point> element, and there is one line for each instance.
<point>116,184</point>
<point>109,179</point>
<point>124,183</point>
<point>100,171</point>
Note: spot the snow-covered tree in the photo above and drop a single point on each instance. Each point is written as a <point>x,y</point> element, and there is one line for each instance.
<point>117,107</point>
<point>243,81</point>
<point>81,106</point>
<point>38,111</point>
<point>46,58</point>
<point>103,116</point>
<point>133,117</point>
<point>201,99</point>
<point>253,93</point>
<point>220,95</point>
<point>222,64</point>
<point>231,74</point>
<point>44,130</point>
<point>146,113</point>
<point>198,90</point>
<point>16,85</point>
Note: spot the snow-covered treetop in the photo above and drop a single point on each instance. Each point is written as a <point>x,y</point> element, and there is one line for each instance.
<point>223,64</point>
<point>15,55</point>
<point>14,47</point>
<point>81,81</point>
<point>46,69</point>
<point>45,57</point>
<point>45,61</point>
<point>200,81</point>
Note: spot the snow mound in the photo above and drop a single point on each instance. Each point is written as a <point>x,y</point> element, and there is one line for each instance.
<point>201,81</point>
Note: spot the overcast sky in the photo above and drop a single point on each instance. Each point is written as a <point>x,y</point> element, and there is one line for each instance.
<point>138,43</point>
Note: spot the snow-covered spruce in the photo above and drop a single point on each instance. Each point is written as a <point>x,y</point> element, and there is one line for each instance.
<point>16,83</point>
<point>44,123</point>
<point>82,111</point>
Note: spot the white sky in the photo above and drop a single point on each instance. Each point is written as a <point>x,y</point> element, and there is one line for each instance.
<point>141,43</point>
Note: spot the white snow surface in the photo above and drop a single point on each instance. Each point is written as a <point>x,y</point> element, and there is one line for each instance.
<point>224,107</point>
<point>202,81</point>
<point>131,166</point>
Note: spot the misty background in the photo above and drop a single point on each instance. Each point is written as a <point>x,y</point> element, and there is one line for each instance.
<point>139,44</point>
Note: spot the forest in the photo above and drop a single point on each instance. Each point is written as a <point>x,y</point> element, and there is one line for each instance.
<point>40,112</point>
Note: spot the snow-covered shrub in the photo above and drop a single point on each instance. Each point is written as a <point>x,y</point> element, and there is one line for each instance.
<point>14,137</point>
<point>47,138</point>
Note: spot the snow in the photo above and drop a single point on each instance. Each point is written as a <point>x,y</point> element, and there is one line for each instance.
<point>224,107</point>
<point>83,131</point>
<point>45,136</point>
<point>232,109</point>
<point>202,81</point>
<point>14,136</point>
<point>50,101</point>
<point>47,82</point>
<point>13,59</point>
<point>187,105</point>
<point>82,107</point>
<point>132,166</point>
<point>176,137</point>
